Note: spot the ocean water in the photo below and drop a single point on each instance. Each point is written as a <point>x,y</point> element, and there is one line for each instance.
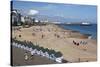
<point>91,29</point>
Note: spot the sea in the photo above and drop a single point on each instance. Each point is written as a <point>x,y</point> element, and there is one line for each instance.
<point>90,30</point>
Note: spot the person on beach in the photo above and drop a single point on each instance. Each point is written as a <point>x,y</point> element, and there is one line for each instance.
<point>26,56</point>
<point>58,36</point>
<point>33,34</point>
<point>40,29</point>
<point>55,35</point>
<point>79,59</point>
<point>42,36</point>
<point>49,30</point>
<point>76,43</point>
<point>83,42</point>
<point>31,57</point>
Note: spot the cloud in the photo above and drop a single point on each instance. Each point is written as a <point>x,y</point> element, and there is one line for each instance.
<point>33,12</point>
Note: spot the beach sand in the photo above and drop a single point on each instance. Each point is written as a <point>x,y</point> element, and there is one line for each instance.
<point>53,37</point>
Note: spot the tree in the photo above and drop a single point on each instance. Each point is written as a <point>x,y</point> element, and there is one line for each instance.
<point>51,52</point>
<point>58,54</point>
<point>47,50</point>
<point>24,43</point>
<point>44,50</point>
<point>41,48</point>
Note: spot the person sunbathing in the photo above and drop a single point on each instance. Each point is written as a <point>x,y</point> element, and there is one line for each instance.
<point>75,43</point>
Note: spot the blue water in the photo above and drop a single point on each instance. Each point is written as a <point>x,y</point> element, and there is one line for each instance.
<point>91,30</point>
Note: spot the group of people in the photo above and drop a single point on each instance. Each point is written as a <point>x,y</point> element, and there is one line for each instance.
<point>78,43</point>
<point>56,35</point>
<point>27,57</point>
<point>17,28</point>
<point>75,43</point>
<point>42,29</point>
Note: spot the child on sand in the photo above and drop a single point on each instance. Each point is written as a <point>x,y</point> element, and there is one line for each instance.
<point>26,56</point>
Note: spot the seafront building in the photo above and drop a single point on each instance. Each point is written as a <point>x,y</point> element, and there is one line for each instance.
<point>22,19</point>
<point>28,20</point>
<point>16,17</point>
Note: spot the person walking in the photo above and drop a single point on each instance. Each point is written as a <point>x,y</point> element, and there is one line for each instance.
<point>26,56</point>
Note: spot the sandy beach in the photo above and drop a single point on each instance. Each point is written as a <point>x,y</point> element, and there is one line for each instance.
<point>53,37</point>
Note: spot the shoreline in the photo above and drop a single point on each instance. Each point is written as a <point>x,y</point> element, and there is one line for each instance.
<point>77,32</point>
<point>90,36</point>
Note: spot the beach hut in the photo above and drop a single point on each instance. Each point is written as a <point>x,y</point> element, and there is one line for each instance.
<point>30,49</point>
<point>19,45</point>
<point>33,51</point>
<point>14,44</point>
<point>27,48</point>
<point>38,50</point>
<point>53,56</point>
<point>59,57</point>
<point>46,52</point>
<point>41,51</point>
<point>23,47</point>
<point>51,52</point>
